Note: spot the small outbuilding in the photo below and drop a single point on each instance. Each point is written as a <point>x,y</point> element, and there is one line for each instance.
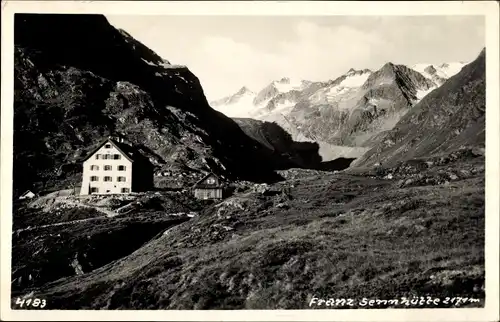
<point>209,187</point>
<point>27,195</point>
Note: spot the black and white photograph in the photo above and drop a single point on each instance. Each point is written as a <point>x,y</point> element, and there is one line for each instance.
<point>250,161</point>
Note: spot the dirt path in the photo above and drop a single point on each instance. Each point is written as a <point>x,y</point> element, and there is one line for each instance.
<point>108,213</point>
<point>60,223</point>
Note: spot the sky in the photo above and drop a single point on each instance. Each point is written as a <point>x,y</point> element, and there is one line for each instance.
<point>228,52</point>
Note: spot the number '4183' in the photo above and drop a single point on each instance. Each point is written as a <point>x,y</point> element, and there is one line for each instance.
<point>33,302</point>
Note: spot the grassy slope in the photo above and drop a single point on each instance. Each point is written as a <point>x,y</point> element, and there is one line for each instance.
<point>332,236</point>
<point>92,243</point>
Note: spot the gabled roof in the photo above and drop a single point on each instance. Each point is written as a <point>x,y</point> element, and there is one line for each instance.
<point>26,192</point>
<point>199,183</point>
<point>122,148</point>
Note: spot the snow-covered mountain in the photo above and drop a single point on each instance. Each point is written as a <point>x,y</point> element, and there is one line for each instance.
<point>240,104</point>
<point>358,105</point>
<point>439,73</point>
<point>450,118</point>
<point>341,87</point>
<point>246,103</point>
<point>350,111</point>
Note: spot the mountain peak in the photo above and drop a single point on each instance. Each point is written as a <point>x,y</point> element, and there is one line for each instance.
<point>243,90</point>
<point>284,80</point>
<point>353,71</point>
<point>388,65</point>
<point>430,70</point>
<point>388,69</point>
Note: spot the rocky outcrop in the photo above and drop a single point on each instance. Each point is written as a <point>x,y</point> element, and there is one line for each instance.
<point>303,154</point>
<point>359,105</point>
<point>78,80</point>
<point>450,118</point>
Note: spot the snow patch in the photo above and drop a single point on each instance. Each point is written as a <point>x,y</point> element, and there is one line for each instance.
<point>423,92</point>
<point>290,85</point>
<point>348,84</point>
<point>281,106</point>
<point>150,63</point>
<point>355,80</point>
<point>164,63</point>
<point>445,70</point>
<point>243,107</point>
<point>450,69</point>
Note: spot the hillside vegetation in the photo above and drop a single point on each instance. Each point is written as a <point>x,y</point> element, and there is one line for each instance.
<point>323,235</point>
<point>405,220</point>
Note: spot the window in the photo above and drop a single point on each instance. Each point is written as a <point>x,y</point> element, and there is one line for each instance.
<point>94,178</point>
<point>204,194</point>
<point>117,156</point>
<point>94,167</point>
<point>108,156</point>
<point>121,168</point>
<point>107,146</point>
<point>107,167</point>
<point>94,190</point>
<point>210,180</point>
<point>125,190</point>
<point>108,179</point>
<point>98,156</point>
<point>121,179</point>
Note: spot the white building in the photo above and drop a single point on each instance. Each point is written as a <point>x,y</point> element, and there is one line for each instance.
<point>109,169</point>
<point>27,195</point>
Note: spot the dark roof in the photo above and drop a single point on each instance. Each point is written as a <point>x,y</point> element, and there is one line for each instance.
<point>127,151</point>
<point>199,183</point>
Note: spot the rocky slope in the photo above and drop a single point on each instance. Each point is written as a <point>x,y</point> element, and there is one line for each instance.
<point>306,155</point>
<point>449,118</point>
<point>359,105</point>
<point>248,104</point>
<point>348,115</point>
<point>439,73</point>
<point>277,246</point>
<point>236,105</point>
<point>78,80</point>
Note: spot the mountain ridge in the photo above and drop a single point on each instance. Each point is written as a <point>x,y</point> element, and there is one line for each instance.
<point>349,111</point>
<point>78,80</point>
<point>449,118</point>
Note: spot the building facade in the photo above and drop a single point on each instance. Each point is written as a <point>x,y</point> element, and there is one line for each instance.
<point>113,168</point>
<point>208,188</point>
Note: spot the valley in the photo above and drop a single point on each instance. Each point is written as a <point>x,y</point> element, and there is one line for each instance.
<point>392,233</point>
<point>346,115</point>
<point>367,185</point>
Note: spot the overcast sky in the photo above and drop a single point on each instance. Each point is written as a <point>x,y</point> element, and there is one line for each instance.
<point>228,52</point>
